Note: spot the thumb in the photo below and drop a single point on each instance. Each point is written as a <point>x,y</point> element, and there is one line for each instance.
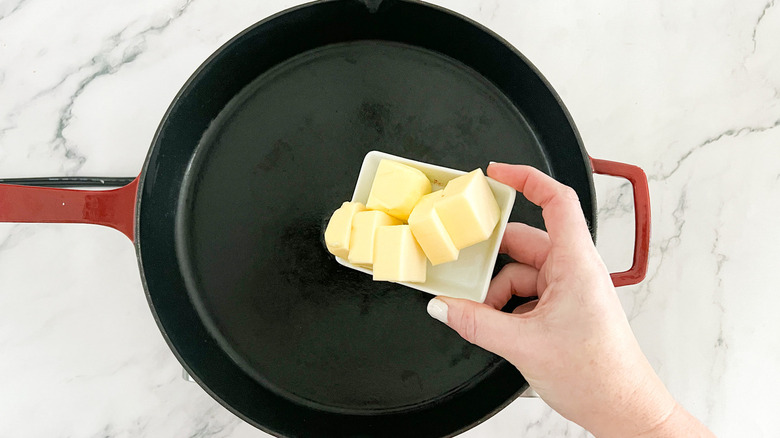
<point>478,323</point>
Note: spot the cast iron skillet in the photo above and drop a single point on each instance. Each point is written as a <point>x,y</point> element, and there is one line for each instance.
<point>261,144</point>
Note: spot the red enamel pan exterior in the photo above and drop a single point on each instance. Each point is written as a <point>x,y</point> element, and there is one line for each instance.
<point>636,176</point>
<point>113,208</point>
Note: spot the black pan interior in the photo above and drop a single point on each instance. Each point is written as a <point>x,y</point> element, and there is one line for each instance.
<point>255,161</point>
<point>269,172</point>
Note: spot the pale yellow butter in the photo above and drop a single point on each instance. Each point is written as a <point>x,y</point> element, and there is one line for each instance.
<point>339,229</point>
<point>397,255</point>
<point>427,228</point>
<point>468,210</point>
<point>397,188</point>
<point>361,242</point>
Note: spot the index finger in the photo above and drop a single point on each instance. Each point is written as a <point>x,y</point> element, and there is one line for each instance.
<point>561,210</point>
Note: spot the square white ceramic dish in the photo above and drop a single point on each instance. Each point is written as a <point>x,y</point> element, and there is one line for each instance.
<point>470,275</point>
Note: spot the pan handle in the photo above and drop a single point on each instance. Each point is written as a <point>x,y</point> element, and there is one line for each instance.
<point>113,208</point>
<point>638,180</point>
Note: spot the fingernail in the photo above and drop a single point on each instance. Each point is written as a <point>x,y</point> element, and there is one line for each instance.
<point>438,309</point>
<point>491,162</point>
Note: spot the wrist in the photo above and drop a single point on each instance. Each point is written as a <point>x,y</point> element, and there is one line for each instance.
<point>679,423</point>
<point>631,412</point>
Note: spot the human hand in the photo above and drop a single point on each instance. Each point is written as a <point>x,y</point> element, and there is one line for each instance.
<point>573,344</point>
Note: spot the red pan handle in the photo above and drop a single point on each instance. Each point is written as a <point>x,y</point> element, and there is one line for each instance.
<point>638,180</point>
<point>113,208</point>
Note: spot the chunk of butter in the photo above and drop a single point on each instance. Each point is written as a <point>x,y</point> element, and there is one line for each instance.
<point>361,242</point>
<point>429,231</point>
<point>468,209</point>
<point>397,255</point>
<point>397,188</point>
<point>339,229</point>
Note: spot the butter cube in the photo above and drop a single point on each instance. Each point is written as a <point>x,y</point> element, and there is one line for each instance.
<point>361,242</point>
<point>397,188</point>
<point>468,209</point>
<point>429,231</point>
<point>397,255</point>
<point>339,229</point>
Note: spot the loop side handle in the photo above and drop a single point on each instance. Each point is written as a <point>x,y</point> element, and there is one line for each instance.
<point>636,176</point>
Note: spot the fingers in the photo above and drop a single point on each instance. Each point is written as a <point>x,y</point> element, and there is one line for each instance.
<point>480,324</point>
<point>525,244</point>
<point>513,279</point>
<point>561,210</point>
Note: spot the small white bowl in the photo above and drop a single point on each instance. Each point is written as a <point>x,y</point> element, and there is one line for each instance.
<point>470,275</point>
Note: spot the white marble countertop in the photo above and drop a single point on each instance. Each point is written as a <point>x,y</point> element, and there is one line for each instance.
<point>689,91</point>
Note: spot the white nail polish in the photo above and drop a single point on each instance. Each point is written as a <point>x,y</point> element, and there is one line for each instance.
<point>438,309</point>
